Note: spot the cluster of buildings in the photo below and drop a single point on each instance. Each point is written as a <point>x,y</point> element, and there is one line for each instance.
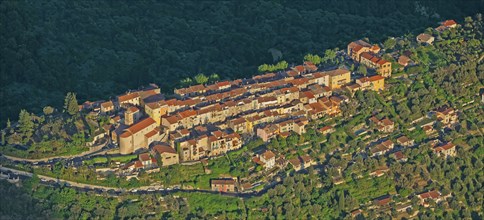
<point>367,54</point>
<point>428,39</point>
<point>208,120</point>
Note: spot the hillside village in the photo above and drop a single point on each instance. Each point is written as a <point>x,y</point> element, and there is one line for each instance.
<point>203,122</point>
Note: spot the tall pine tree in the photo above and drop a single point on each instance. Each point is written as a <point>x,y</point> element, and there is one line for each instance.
<point>25,124</point>
<point>70,104</point>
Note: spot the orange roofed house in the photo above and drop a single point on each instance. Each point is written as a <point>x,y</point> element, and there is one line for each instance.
<point>166,154</point>
<point>266,159</point>
<point>356,48</point>
<point>383,67</point>
<point>375,83</point>
<point>129,99</point>
<point>223,185</point>
<point>424,38</point>
<point>107,107</point>
<point>447,24</point>
<point>430,195</point>
<point>138,136</point>
<point>447,150</point>
<point>338,78</point>
<point>446,115</point>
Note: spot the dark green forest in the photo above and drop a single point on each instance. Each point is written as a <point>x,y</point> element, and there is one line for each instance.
<point>101,48</point>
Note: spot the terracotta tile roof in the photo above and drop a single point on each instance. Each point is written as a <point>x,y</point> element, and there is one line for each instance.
<point>268,155</point>
<point>222,182</point>
<point>138,164</point>
<point>187,113</point>
<point>164,149</point>
<point>375,47</point>
<point>295,162</point>
<point>399,155</point>
<point>152,133</point>
<point>387,122</point>
<point>445,110</point>
<point>403,60</point>
<point>325,128</point>
<point>309,94</point>
<point>337,72</point>
<point>403,139</point>
<point>172,119</point>
<point>434,194</point>
<point>299,68</point>
<point>301,81</point>
<point>133,109</point>
<point>376,78</point>
<point>128,97</point>
<point>107,104</point>
<point>306,158</point>
<point>148,93</point>
<point>383,201</point>
<point>387,143</point>
<point>357,48</point>
<point>267,99</point>
<point>424,37</point>
<point>144,157</point>
<point>138,127</point>
<point>223,84</point>
<point>319,75</point>
<point>447,146</point>
<point>184,131</point>
<point>374,59</point>
<point>449,23</point>
<point>155,105</point>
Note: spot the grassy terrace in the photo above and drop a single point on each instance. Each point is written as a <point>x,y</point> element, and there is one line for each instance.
<point>104,159</point>
<point>62,149</point>
<point>367,187</point>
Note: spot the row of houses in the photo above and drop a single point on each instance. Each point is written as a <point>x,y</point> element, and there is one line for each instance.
<point>367,54</point>
<point>239,107</point>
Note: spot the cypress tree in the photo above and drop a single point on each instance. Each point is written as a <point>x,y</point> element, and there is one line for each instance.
<point>70,104</point>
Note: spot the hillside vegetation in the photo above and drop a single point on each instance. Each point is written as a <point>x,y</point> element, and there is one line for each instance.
<point>98,49</point>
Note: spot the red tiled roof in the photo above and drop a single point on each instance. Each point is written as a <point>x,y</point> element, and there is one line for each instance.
<point>403,139</point>
<point>172,119</point>
<point>306,158</point>
<point>325,128</point>
<point>375,47</point>
<point>295,161</point>
<point>128,97</point>
<point>309,94</point>
<point>138,127</point>
<point>447,146</point>
<point>107,104</point>
<point>164,149</point>
<point>376,78</point>
<point>399,155</point>
<point>384,201</point>
<point>187,113</point>
<point>144,157</point>
<point>152,133</point>
<point>133,109</point>
<point>299,68</point>
<point>138,164</point>
<point>448,23</point>
<point>387,122</point>
<point>268,155</point>
<point>403,60</point>
<point>374,59</point>
<point>434,194</point>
